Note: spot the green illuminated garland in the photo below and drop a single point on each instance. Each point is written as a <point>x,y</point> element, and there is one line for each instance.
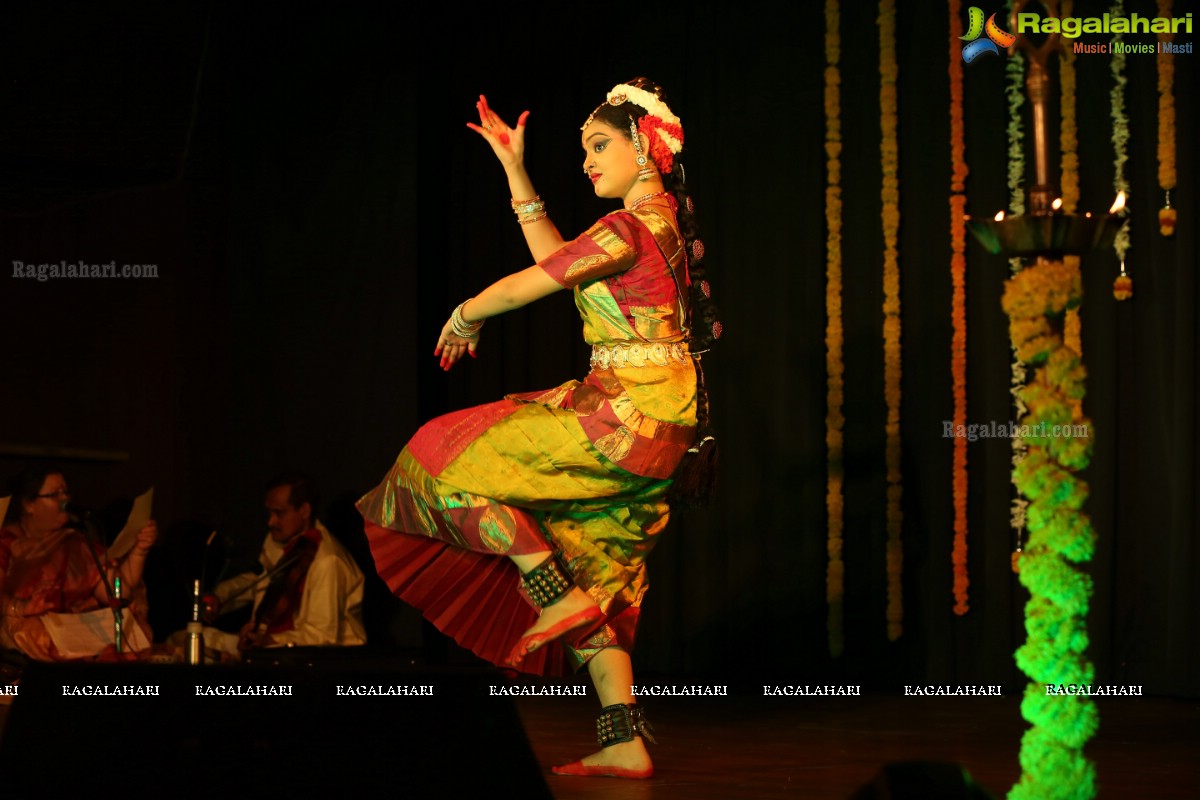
<point>1053,766</point>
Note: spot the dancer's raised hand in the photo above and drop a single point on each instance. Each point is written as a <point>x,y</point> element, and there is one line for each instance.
<point>508,143</point>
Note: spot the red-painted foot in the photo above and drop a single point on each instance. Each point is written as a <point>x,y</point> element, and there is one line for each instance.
<point>602,771</point>
<point>527,644</point>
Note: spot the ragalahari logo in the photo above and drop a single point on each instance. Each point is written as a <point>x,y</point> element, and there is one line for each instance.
<point>975,46</point>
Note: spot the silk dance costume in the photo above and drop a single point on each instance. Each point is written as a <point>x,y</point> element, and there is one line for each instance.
<point>581,470</point>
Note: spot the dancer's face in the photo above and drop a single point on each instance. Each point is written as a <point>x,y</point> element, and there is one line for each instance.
<point>610,160</point>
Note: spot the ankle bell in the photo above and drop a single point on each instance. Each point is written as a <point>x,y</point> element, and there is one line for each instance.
<point>547,583</point>
<point>620,723</point>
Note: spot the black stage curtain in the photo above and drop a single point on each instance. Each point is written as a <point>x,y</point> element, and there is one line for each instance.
<point>302,178</point>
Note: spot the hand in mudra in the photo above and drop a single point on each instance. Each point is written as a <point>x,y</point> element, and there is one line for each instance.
<point>451,347</point>
<point>507,143</point>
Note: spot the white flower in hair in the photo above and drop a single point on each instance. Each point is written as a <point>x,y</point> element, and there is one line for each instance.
<point>623,92</point>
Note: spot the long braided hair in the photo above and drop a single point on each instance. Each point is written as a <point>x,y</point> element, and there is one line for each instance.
<point>695,478</point>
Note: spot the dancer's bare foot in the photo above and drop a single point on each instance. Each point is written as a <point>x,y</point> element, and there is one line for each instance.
<point>623,760</point>
<point>574,612</point>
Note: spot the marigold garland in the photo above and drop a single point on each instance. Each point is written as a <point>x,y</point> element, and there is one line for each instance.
<point>1014,93</point>
<point>890,195</point>
<point>1060,536</point>
<point>1069,143</point>
<point>1123,287</point>
<point>1068,133</point>
<point>958,303</point>
<point>834,396</point>
<point>1166,126</point>
<point>1120,139</point>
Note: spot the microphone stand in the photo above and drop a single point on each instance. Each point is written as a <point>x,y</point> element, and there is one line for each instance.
<point>92,537</point>
<point>204,561</point>
<point>118,615</point>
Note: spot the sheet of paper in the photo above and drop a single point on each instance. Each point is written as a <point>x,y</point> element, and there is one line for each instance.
<point>82,635</point>
<point>139,515</point>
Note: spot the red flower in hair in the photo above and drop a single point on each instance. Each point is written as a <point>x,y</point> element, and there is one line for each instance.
<point>658,133</point>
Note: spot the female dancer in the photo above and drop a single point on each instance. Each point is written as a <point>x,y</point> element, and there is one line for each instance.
<point>570,484</point>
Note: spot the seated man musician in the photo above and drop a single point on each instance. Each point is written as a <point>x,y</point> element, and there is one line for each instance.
<point>310,591</point>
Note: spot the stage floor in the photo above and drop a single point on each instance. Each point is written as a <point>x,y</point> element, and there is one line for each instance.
<point>816,748</point>
<point>746,747</point>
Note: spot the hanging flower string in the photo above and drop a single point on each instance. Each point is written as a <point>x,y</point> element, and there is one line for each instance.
<point>1069,142</point>
<point>890,195</point>
<point>1069,133</point>
<point>1014,92</point>
<point>958,303</point>
<point>834,396</point>
<point>1123,285</point>
<point>1060,537</point>
<point>1166,126</point>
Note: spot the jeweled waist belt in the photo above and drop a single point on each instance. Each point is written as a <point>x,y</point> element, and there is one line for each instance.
<point>639,354</point>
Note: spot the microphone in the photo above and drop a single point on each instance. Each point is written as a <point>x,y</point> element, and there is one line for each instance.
<point>75,512</point>
<point>226,547</point>
<point>204,561</point>
<point>207,609</point>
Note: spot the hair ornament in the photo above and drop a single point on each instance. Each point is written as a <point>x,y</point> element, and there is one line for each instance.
<point>623,92</point>
<point>662,128</point>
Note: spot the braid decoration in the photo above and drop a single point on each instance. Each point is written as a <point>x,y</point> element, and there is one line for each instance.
<point>695,478</point>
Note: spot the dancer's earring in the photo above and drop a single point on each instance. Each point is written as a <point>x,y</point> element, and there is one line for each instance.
<point>646,172</point>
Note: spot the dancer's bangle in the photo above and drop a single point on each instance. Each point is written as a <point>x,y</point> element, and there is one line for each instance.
<point>463,329</point>
<point>528,206</point>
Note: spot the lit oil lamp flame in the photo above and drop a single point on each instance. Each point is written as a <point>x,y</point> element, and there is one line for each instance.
<point>1118,204</point>
<point>999,216</point>
<point>1057,204</point>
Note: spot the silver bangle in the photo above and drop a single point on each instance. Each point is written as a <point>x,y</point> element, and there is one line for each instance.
<point>528,206</point>
<point>461,328</point>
